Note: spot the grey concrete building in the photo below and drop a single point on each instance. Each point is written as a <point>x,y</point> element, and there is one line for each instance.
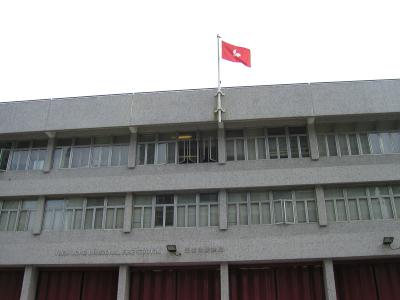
<point>147,196</point>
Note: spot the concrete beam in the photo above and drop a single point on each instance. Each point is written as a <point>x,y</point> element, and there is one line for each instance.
<point>29,283</point>
<point>223,210</point>
<point>321,206</point>
<point>37,225</point>
<point>312,137</point>
<point>128,213</point>
<point>221,146</point>
<point>132,147</point>
<point>329,280</point>
<point>224,274</point>
<point>123,283</point>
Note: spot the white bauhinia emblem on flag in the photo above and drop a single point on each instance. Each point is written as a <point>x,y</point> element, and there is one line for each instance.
<point>236,53</point>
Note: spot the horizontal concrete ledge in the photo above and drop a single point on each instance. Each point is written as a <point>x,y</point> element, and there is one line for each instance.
<point>262,243</point>
<point>255,174</point>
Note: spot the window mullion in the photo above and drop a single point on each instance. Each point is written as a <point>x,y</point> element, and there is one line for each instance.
<point>346,204</point>
<point>248,208</point>
<point>197,209</point>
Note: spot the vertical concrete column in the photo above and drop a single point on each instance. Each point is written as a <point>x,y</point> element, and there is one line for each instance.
<point>221,145</point>
<point>51,143</point>
<point>132,147</point>
<point>128,213</point>
<point>223,210</point>
<point>123,283</point>
<point>312,137</point>
<point>224,274</point>
<point>29,283</point>
<point>321,207</point>
<point>329,280</point>
<point>37,224</point>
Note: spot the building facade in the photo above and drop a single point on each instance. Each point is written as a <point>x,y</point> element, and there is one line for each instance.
<point>147,196</point>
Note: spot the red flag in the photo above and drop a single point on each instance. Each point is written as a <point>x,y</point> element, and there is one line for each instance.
<point>236,54</point>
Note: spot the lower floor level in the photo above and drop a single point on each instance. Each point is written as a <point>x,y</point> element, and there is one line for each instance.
<point>317,280</point>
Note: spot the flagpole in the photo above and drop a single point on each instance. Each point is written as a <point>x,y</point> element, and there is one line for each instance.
<point>219,109</point>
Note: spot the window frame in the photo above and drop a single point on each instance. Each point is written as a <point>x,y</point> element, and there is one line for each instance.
<point>31,213</point>
<point>30,149</point>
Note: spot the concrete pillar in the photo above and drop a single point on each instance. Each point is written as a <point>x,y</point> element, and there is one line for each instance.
<point>221,146</point>
<point>128,213</point>
<point>321,207</point>
<point>329,280</point>
<point>223,210</point>
<point>123,283</point>
<point>51,143</point>
<point>29,283</point>
<point>37,225</point>
<point>224,274</point>
<point>132,148</point>
<point>312,137</point>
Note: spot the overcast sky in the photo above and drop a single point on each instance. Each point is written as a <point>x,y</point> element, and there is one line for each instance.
<point>82,47</point>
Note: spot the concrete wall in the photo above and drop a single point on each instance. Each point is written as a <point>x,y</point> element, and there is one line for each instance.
<point>191,106</point>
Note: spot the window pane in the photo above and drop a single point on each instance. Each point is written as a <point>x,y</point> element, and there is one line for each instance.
<point>356,192</point>
<point>386,142</point>
<point>208,198</point>
<point>237,197</point>
<point>95,160</point>
<point>98,223</point>
<point>353,144</point>
<point>11,221</point>
<point>147,217</point>
<point>321,145</point>
<point>255,213</point>
<point>243,214</point>
<point>289,211</point>
<point>186,198</point>
<point>159,217</point>
<point>3,220</point>
<point>376,209</point>
<point>95,202</point>
<point>305,151</point>
<point>109,218</point>
<point>396,142</point>
<point>258,196</point>
<point>240,149</point>
<point>332,145</point>
<point>124,156</point>
<point>230,155</point>
<point>137,215</point>
<point>203,215</point>
<point>232,214</point>
<point>364,209</point>
<point>165,199</point>
<point>48,218</point>
<point>251,149</point>
<point>140,154</point>
<point>330,211</point>
<point>278,212</point>
<point>397,205</point>
<point>301,211</point>
<point>120,218</point>
<point>333,193</point>
<point>304,194</point>
<point>375,143</point>
<point>383,190</point>
<point>150,154</point>
<point>162,154</point>
<point>266,213</point>
<point>261,148</point>
<point>89,219</point>
<point>214,216</point>
<point>341,210</point>
<point>273,149</point>
<point>387,208</point>
<point>169,216</point>
<point>181,216</point>
<point>10,204</point>
<point>191,215</point>
<point>23,160</point>
<point>344,150</point>
<point>23,218</point>
<point>353,209</point>
<point>283,151</point>
<point>78,219</point>
<point>294,147</point>
<point>277,195</point>
<point>171,153</point>
<point>29,204</point>
<point>365,144</point>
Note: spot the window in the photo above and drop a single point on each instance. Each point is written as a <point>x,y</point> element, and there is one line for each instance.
<point>276,207</point>
<point>90,213</point>
<point>272,143</point>
<point>17,215</point>
<point>358,143</point>
<point>23,155</point>
<point>103,151</point>
<point>362,203</point>
<point>181,210</point>
<point>177,148</point>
